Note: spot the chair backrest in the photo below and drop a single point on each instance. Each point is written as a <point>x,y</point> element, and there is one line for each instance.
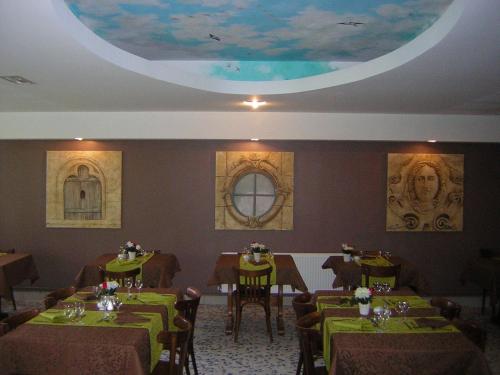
<point>176,342</point>
<point>472,330</point>
<point>302,304</point>
<point>253,286</point>
<point>53,297</point>
<point>447,308</point>
<point>121,276</point>
<point>188,307</point>
<point>15,320</point>
<point>369,271</point>
<point>310,338</point>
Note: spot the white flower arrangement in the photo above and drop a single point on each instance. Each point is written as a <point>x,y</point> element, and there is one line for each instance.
<point>108,287</point>
<point>362,295</point>
<point>346,248</point>
<point>132,247</point>
<point>258,248</point>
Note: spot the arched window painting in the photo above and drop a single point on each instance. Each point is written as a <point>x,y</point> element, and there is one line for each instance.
<point>425,192</point>
<point>84,189</point>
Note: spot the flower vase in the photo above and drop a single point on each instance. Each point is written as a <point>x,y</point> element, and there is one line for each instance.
<point>256,257</point>
<point>364,309</point>
<point>131,255</point>
<point>347,258</point>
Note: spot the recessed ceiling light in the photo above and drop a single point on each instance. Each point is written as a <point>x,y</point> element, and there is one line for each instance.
<point>255,139</point>
<point>254,103</point>
<point>432,141</point>
<point>78,139</point>
<point>18,80</point>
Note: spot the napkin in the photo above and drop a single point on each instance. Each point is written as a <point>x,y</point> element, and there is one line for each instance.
<point>125,318</point>
<point>352,325</point>
<point>150,298</point>
<point>86,296</point>
<point>53,316</point>
<point>431,323</point>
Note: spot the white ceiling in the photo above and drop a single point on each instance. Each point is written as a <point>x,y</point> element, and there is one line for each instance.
<point>460,75</point>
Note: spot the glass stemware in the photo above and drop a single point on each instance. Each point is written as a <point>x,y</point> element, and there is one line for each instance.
<point>128,283</point>
<point>69,311</point>
<point>79,311</point>
<point>402,307</point>
<point>138,284</point>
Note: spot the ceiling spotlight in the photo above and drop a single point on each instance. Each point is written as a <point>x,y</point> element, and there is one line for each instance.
<point>18,80</point>
<point>254,139</point>
<point>78,139</point>
<point>432,141</point>
<point>254,103</point>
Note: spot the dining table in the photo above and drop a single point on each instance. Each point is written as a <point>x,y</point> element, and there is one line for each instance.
<point>286,274</point>
<point>348,274</point>
<point>14,269</point>
<point>157,272</point>
<point>125,344</point>
<point>419,342</point>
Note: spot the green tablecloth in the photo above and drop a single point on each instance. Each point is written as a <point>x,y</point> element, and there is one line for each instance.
<point>336,325</point>
<point>94,319</point>
<point>325,302</point>
<point>117,265</point>
<point>1,254</point>
<point>266,260</point>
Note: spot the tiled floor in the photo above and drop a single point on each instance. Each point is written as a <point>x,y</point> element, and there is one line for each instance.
<point>217,354</point>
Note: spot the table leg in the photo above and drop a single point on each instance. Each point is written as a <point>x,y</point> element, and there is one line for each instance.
<point>279,318</point>
<point>229,319</point>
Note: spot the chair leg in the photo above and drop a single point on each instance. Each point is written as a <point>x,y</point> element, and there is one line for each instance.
<point>237,323</point>
<point>13,300</point>
<point>268,322</point>
<point>186,365</point>
<point>299,365</point>
<point>193,359</point>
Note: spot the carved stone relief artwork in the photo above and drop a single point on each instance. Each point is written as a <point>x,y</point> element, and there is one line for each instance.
<point>84,189</point>
<point>254,190</point>
<point>425,192</point>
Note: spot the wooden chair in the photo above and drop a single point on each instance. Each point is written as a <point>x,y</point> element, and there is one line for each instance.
<point>369,271</point>
<point>447,308</point>
<point>187,309</point>
<point>253,288</point>
<point>309,338</point>
<point>57,295</point>
<point>302,305</point>
<point>11,251</point>
<point>488,253</point>
<point>12,322</point>
<point>176,342</point>
<point>472,330</point>
<point>120,276</point>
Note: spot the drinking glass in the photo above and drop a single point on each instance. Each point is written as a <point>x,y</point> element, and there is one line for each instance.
<point>402,307</point>
<point>138,285</point>
<point>117,303</point>
<point>386,287</point>
<point>105,303</point>
<point>79,310</point>
<point>69,311</point>
<point>128,283</point>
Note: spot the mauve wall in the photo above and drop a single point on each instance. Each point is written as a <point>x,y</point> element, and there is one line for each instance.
<point>168,203</point>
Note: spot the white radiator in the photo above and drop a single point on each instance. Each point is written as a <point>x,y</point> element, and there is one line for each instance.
<point>309,266</point>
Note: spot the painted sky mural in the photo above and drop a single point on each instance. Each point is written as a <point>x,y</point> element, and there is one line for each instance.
<point>259,40</point>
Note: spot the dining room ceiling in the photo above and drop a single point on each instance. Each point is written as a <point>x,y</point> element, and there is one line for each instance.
<point>365,56</point>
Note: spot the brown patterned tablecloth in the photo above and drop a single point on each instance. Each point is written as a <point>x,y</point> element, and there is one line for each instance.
<point>286,271</point>
<point>37,349</point>
<point>14,269</point>
<point>399,353</point>
<point>157,272</point>
<point>349,273</point>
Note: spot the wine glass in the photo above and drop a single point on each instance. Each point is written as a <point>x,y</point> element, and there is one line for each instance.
<point>79,311</point>
<point>138,285</point>
<point>117,303</point>
<point>128,283</point>
<point>402,308</point>
<point>69,311</point>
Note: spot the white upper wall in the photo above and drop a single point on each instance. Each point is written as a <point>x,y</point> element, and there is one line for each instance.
<point>237,125</point>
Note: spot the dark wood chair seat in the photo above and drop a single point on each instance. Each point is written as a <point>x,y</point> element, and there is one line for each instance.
<point>253,287</point>
<point>187,309</point>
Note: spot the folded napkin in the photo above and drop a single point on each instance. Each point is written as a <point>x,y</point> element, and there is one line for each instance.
<point>86,296</point>
<point>352,325</point>
<point>151,298</point>
<point>126,318</point>
<point>53,316</point>
<point>335,301</point>
<point>431,323</point>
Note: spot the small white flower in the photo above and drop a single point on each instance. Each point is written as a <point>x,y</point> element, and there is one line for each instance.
<point>129,244</point>
<point>138,247</point>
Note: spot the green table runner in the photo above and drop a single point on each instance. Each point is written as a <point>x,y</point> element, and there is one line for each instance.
<point>117,265</point>
<point>328,302</point>
<point>1,254</point>
<point>145,298</point>
<point>335,325</point>
<point>380,262</point>
<point>94,319</point>
<point>257,267</point>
